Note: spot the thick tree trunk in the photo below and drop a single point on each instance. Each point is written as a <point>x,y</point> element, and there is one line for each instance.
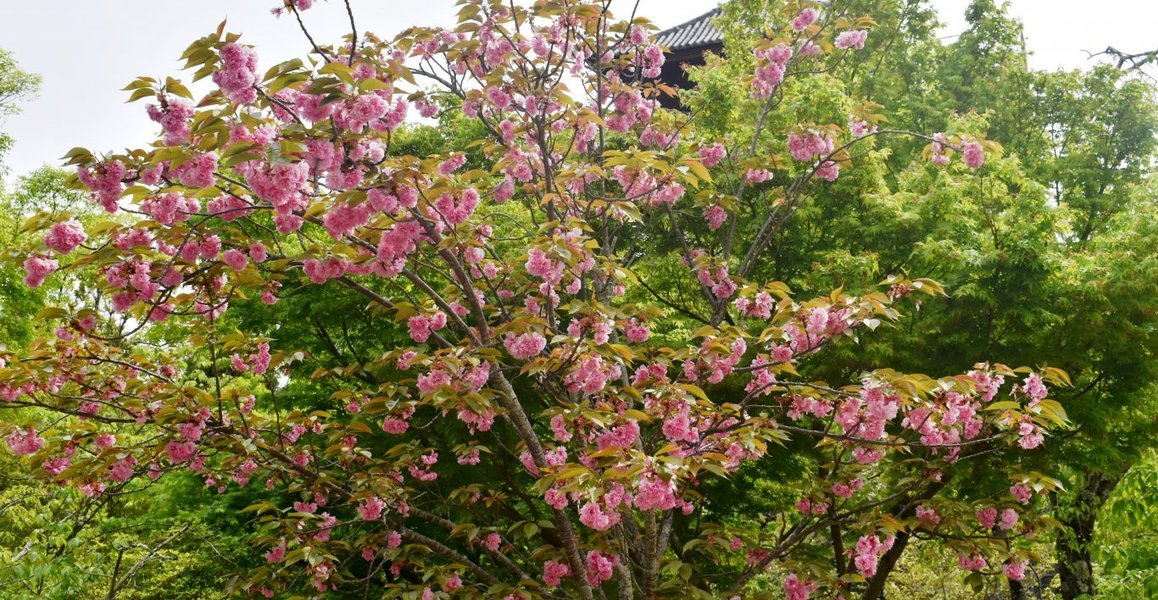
<point>1017,590</point>
<point>876,585</point>
<point>1075,565</point>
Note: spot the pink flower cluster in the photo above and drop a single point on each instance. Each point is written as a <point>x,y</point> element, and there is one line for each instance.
<point>525,346</point>
<point>422,326</point>
<point>928,516</point>
<point>754,176</point>
<point>636,332</point>
<point>770,68</point>
<point>621,436</point>
<point>593,516</point>
<point>197,171</point>
<point>805,147</point>
<point>972,154</point>
<point>170,207</point>
<point>279,184</point>
<point>600,566</point>
<point>65,236</point>
<point>1035,388</point>
<point>105,180</point>
<point>1014,570</point>
<point>794,589</point>
<point>868,550</point>
<point>173,114</point>
<point>712,362</point>
<point>238,74</point>
<point>554,572</point>
<point>804,19</point>
<point>455,208</point>
<point>23,443</point>
<point>859,128</point>
<point>343,218</point>
<point>711,156</point>
<point>653,493</point>
<point>397,243</point>
<point>972,563</point>
<point>716,216</point>
<point>940,149</point>
<point>720,284</point>
<point>258,362</point>
<point>370,509</point>
<point>987,517</point>
<point>820,324</point>
<point>759,306</point>
<point>590,375</point>
<point>854,38</point>
<point>37,268</point>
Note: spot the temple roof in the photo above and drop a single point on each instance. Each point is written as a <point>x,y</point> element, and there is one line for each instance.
<point>692,34</point>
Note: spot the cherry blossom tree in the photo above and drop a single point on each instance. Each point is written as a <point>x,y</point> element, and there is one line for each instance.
<point>548,425</point>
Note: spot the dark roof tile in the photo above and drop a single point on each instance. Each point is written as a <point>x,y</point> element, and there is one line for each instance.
<point>697,32</point>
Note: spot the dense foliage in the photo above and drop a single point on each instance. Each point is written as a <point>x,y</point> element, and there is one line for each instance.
<point>544,350</point>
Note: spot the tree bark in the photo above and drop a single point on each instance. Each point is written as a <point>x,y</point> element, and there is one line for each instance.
<point>1075,565</point>
<point>876,585</point>
<point>1017,590</point>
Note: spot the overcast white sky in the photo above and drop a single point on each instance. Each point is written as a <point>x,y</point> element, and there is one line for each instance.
<point>87,50</point>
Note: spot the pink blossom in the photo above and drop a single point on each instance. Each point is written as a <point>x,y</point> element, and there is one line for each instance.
<point>122,469</point>
<point>1008,519</point>
<point>804,19</point>
<point>37,268</point>
<point>554,572</point>
<point>105,180</point>
<point>1014,570</point>
<point>987,517</point>
<point>197,171</point>
<point>276,554</point>
<point>559,428</point>
<point>622,436</point>
<point>65,236</point>
<point>1035,389</point>
<point>711,156</point>
<point>716,216</point>
<point>599,566</point>
<point>754,176</point>
<point>972,154</point>
<point>525,345</point>
<point>470,458</point>
<point>851,39</point>
<point>971,563</point>
<point>173,114</point>
<point>238,74</point>
<point>529,463</point>
<point>24,442</point>
<point>421,326</point>
<point>370,509</point>
<point>592,515</point>
<point>927,516</point>
<point>235,259</point>
<point>635,332</point>
<point>770,68</point>
<point>653,493</point>
<point>180,452</point>
<point>794,589</point>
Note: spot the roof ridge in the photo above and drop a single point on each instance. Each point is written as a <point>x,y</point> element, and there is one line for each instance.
<point>690,34</point>
<point>704,17</point>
